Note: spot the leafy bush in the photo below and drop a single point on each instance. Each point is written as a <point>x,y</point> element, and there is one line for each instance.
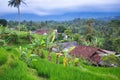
<point>84,61</point>
<point>2,42</point>
<point>4,30</point>
<point>60,37</point>
<point>26,37</point>
<point>110,60</point>
<point>18,38</point>
<point>41,53</point>
<point>116,44</point>
<point>76,61</point>
<point>12,37</point>
<point>25,55</point>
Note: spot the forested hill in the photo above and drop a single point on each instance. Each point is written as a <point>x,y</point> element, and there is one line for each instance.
<point>60,17</point>
<point>73,23</point>
<point>103,33</point>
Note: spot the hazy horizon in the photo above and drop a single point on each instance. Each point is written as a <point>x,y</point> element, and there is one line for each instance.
<point>61,10</point>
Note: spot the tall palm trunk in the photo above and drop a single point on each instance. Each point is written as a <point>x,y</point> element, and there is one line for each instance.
<point>19,17</point>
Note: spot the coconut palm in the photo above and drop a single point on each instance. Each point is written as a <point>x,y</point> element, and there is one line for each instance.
<point>16,3</point>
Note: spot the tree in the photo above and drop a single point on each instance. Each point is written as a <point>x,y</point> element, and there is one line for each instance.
<point>89,37</point>
<point>3,22</point>
<point>12,24</point>
<point>116,44</point>
<point>16,3</point>
<point>77,38</point>
<point>61,29</point>
<point>114,23</point>
<point>68,32</point>
<point>90,22</point>
<point>89,30</point>
<point>114,28</point>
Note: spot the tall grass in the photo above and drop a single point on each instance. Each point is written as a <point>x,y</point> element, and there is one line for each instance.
<point>3,56</point>
<point>58,72</point>
<point>111,72</point>
<point>12,68</point>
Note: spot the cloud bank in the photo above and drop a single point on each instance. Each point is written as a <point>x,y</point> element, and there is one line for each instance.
<point>58,7</point>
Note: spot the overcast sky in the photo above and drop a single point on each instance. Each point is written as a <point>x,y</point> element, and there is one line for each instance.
<point>56,7</point>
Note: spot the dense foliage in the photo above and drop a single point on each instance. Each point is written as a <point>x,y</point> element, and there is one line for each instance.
<point>15,66</point>
<point>3,22</point>
<point>25,55</point>
<point>90,32</point>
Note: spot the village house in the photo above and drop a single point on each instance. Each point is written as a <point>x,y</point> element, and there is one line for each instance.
<point>44,32</point>
<point>64,46</point>
<point>90,53</point>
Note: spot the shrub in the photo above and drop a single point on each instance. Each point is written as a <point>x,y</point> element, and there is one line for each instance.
<point>76,61</point>
<point>84,61</point>
<point>4,30</point>
<point>110,60</point>
<point>41,53</point>
<point>2,42</point>
<point>18,38</point>
<point>116,44</point>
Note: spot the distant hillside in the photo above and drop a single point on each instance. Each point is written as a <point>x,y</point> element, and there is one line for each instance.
<point>67,16</point>
<point>109,18</point>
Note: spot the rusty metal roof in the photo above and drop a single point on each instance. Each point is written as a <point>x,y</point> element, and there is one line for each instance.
<point>40,31</point>
<point>87,52</point>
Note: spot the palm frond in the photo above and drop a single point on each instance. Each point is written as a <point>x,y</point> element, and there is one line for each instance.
<point>15,3</point>
<point>23,2</point>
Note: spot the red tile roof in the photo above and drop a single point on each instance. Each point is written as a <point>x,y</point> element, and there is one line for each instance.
<point>95,58</point>
<point>42,31</point>
<point>87,52</point>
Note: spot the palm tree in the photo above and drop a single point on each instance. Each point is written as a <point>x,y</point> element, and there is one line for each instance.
<point>16,3</point>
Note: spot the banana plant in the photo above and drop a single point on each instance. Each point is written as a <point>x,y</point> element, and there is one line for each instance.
<point>50,42</point>
<point>37,44</point>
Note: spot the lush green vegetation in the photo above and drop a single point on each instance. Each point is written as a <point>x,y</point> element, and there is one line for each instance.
<point>27,56</point>
<point>12,68</point>
<point>91,32</point>
<point>58,72</point>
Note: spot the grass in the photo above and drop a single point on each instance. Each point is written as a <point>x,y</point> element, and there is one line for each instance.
<point>111,72</point>
<point>3,56</point>
<point>12,68</point>
<point>58,72</point>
